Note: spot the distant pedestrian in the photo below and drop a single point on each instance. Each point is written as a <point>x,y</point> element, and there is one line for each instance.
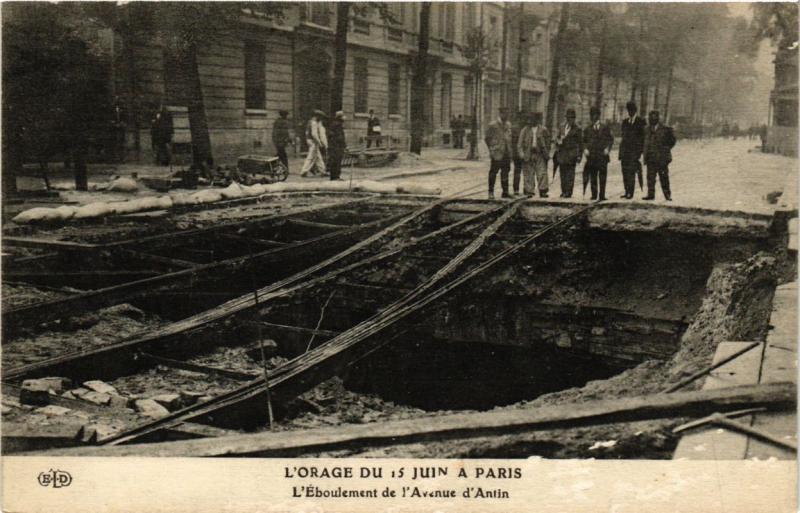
<point>630,150</point>
<point>461,125</point>
<point>658,144</point>
<point>337,145</point>
<point>118,127</point>
<point>317,140</point>
<point>373,130</point>
<point>498,139</point>
<point>569,147</point>
<point>597,143</point>
<point>161,132</point>
<point>281,137</point>
<point>534,150</point>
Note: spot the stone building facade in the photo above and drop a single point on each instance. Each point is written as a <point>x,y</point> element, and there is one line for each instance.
<point>268,66</point>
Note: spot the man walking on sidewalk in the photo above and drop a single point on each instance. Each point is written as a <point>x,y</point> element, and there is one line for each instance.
<point>533,150</point>
<point>658,145</point>
<point>597,143</point>
<point>568,153</point>
<point>630,150</point>
<point>317,141</point>
<point>498,139</point>
<point>373,130</point>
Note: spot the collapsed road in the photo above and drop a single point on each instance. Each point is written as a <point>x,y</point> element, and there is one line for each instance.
<point>423,281</point>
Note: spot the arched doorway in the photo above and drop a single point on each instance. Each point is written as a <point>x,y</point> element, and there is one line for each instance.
<point>312,82</point>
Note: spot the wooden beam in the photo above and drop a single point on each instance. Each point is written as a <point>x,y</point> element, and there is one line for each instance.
<point>157,259</point>
<point>202,369</point>
<point>263,243</point>
<point>462,426</point>
<point>316,224</point>
<point>294,329</point>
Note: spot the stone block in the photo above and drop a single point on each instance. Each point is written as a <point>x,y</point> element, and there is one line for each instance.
<point>171,402</point>
<point>101,387</point>
<point>97,398</point>
<point>79,392</point>
<point>52,410</point>
<point>150,408</point>
<point>190,398</point>
<point>35,392</point>
<point>118,401</point>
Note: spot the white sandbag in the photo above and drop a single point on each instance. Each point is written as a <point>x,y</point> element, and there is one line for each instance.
<point>65,212</point>
<point>254,190</point>
<point>206,196</point>
<point>182,198</point>
<point>124,207</point>
<point>148,203</point>
<point>96,209</point>
<point>418,189</point>
<point>123,185</point>
<point>373,186</point>
<point>164,202</point>
<point>35,215</point>
<point>233,191</point>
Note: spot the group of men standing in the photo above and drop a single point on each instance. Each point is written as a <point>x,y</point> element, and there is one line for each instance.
<point>530,148</point>
<point>326,146</point>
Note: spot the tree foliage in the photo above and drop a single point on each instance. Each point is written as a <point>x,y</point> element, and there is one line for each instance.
<point>776,21</point>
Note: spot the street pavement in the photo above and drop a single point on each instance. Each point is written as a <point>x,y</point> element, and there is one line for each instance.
<point>716,173</point>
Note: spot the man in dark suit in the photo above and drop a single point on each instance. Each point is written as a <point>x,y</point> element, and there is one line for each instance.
<point>498,140</point>
<point>569,146</point>
<point>597,143</point>
<point>516,127</point>
<point>281,137</point>
<point>658,143</point>
<point>630,149</point>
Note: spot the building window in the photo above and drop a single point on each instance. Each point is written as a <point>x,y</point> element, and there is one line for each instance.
<point>394,88</point>
<point>318,13</point>
<point>446,99</point>
<point>469,20</point>
<point>255,79</point>
<point>360,25</point>
<point>530,101</point>
<point>361,84</point>
<point>394,34</point>
<point>398,12</point>
<point>449,32</point>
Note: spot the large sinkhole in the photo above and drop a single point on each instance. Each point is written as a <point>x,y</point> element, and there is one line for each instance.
<point>581,306</point>
<point>437,375</point>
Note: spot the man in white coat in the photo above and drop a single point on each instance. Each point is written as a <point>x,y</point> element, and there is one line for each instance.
<point>317,141</point>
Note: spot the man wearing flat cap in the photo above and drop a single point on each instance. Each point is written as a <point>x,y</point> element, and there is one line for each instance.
<point>317,143</point>
<point>498,139</point>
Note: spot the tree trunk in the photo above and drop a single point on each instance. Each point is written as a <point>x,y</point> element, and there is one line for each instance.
<point>198,124</point>
<point>637,68</point>
<point>504,87</point>
<point>669,93</point>
<point>656,95</point>
<point>340,55</point>
<point>598,87</point>
<point>79,161</point>
<point>552,95</point>
<point>473,133</point>
<point>694,103</point>
<point>616,96</point>
<point>420,79</point>
<point>520,46</point>
<point>645,90</point>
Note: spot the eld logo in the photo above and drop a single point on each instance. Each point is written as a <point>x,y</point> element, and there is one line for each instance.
<point>55,478</point>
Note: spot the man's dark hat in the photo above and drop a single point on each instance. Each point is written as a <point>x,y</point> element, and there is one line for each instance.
<point>630,105</point>
<point>319,113</point>
<point>283,112</point>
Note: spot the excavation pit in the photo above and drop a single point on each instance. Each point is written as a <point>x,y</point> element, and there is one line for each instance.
<point>623,301</point>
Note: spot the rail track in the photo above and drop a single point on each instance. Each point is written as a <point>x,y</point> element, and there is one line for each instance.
<point>414,251</point>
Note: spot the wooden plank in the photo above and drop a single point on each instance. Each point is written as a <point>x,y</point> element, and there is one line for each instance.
<point>714,443</point>
<point>295,329</point>
<point>49,244</point>
<point>203,369</point>
<point>158,259</point>
<point>20,437</point>
<point>262,243</point>
<point>775,396</point>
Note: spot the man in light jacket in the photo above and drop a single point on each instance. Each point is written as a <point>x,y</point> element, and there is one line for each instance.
<point>317,144</point>
<point>534,151</point>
